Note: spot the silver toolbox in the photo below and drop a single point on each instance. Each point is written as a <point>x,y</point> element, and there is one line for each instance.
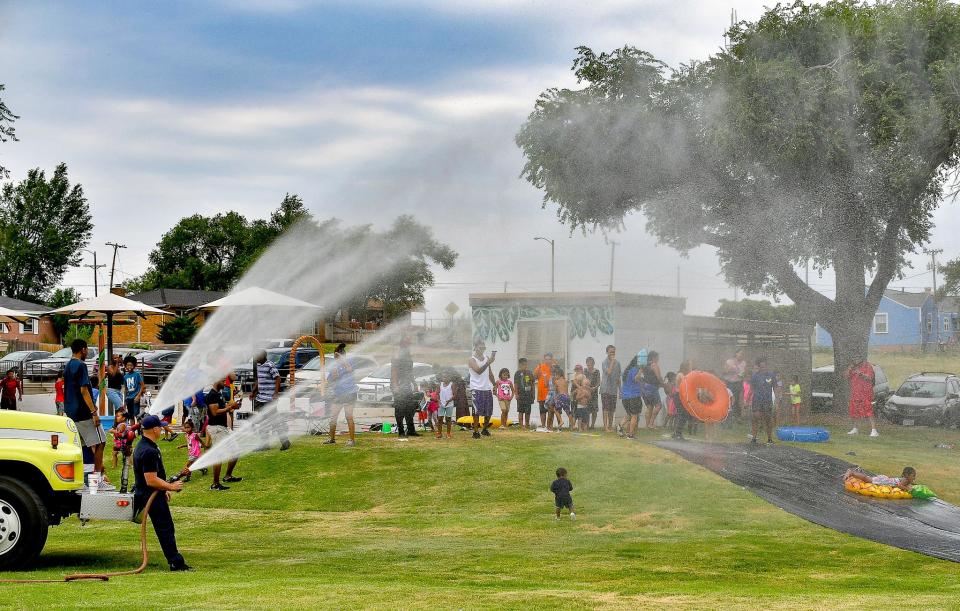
<point>106,506</point>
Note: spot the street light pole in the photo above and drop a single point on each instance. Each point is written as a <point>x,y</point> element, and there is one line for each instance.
<point>553,260</point>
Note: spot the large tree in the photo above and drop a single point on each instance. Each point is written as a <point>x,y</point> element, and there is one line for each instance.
<point>212,252</point>
<point>7,131</point>
<point>823,133</point>
<point>43,225</point>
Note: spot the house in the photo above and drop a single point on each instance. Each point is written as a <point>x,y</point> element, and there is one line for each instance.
<point>948,311</point>
<point>574,326</point>
<point>34,331</point>
<point>177,301</point>
<point>903,321</point>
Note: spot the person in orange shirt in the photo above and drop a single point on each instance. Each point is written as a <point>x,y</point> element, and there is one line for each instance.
<point>543,373</point>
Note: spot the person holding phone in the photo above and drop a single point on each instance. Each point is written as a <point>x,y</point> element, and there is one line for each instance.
<point>481,385</point>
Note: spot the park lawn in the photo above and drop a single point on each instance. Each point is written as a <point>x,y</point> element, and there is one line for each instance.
<point>899,365</point>
<point>469,524</point>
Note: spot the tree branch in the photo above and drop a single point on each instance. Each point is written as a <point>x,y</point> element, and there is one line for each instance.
<point>888,257</point>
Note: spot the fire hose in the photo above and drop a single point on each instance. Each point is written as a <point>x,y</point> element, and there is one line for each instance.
<point>107,576</point>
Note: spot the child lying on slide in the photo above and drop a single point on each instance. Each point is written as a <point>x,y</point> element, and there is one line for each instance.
<point>904,482</point>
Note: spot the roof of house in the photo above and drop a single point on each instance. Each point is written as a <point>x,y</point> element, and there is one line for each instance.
<point>23,306</point>
<point>910,300</point>
<point>949,304</point>
<point>177,298</point>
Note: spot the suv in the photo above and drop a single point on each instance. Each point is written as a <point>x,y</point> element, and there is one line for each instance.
<point>41,482</point>
<point>925,398</point>
<point>824,380</point>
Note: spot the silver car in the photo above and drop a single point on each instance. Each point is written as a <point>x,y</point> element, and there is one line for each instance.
<point>925,398</point>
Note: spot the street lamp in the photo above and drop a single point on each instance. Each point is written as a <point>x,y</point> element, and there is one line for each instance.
<point>552,262</point>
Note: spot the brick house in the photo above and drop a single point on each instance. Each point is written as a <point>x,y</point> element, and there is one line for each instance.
<point>35,331</point>
<point>178,301</point>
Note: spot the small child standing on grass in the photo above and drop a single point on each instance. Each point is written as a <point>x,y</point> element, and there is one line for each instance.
<point>505,392</point>
<point>561,399</point>
<point>193,445</point>
<point>58,390</point>
<point>672,390</point>
<point>524,384</point>
<point>581,398</point>
<point>796,399</point>
<point>447,408</point>
<point>561,489</point>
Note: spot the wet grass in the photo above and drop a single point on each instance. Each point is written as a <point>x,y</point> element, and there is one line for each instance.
<point>469,524</point>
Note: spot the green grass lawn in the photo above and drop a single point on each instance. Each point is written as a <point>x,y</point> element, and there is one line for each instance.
<point>899,365</point>
<point>469,524</point>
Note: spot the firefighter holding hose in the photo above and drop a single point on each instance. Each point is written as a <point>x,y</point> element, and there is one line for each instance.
<point>151,477</point>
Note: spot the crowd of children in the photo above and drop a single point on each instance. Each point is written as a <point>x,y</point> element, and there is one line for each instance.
<point>574,403</point>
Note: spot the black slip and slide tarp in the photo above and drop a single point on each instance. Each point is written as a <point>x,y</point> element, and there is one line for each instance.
<point>810,485</point>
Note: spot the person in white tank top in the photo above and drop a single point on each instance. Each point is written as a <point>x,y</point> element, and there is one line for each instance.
<point>481,385</point>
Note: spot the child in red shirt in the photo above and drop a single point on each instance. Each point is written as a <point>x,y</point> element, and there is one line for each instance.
<point>58,399</point>
<point>9,389</point>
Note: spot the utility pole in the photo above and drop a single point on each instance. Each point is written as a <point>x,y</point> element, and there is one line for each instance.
<point>678,281</point>
<point>94,267</point>
<point>933,252</point>
<point>613,249</point>
<point>113,265</point>
<point>553,261</point>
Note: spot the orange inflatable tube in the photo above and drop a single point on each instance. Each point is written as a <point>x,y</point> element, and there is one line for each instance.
<point>705,396</point>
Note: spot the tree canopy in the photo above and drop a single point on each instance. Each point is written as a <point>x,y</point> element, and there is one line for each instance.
<point>43,225</point>
<point>951,279</point>
<point>212,253</point>
<point>758,309</point>
<point>823,133</point>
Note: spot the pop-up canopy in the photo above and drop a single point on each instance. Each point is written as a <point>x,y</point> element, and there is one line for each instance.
<point>256,296</point>
<point>109,305</point>
<point>8,315</point>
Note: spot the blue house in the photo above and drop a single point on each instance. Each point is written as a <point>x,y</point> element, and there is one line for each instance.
<point>904,321</point>
<point>949,320</point>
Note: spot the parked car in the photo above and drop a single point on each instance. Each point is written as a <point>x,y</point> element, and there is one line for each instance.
<point>156,365</point>
<point>93,366</point>
<point>824,380</point>
<point>17,360</point>
<point>48,368</point>
<point>280,358</point>
<point>375,388</point>
<point>362,366</point>
<point>925,398</point>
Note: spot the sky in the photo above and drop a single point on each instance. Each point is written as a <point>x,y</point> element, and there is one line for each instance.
<point>367,110</point>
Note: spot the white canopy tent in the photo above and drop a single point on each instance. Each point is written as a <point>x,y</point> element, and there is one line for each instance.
<point>109,306</point>
<point>10,316</point>
<point>255,296</point>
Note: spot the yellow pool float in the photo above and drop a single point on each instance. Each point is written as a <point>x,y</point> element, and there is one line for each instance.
<point>875,490</point>
<point>468,421</point>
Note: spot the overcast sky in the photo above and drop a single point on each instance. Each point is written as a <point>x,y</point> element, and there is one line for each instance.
<point>366,110</point>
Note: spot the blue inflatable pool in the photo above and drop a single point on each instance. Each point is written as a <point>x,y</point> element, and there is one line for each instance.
<point>802,433</point>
